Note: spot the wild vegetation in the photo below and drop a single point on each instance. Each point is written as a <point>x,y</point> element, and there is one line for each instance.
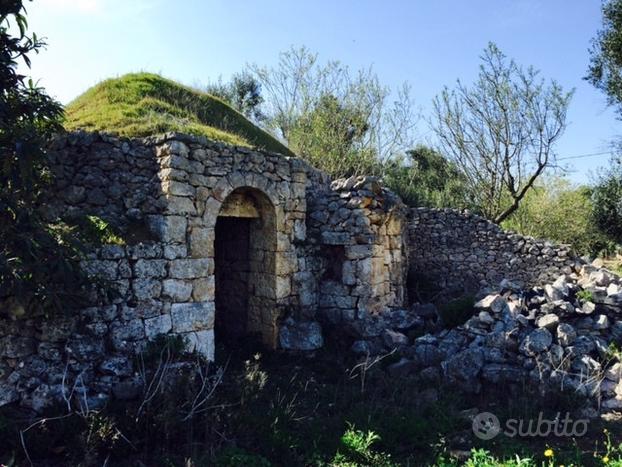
<point>38,258</point>
<point>284,410</point>
<point>290,410</point>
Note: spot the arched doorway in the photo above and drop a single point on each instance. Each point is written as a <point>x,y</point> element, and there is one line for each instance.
<point>245,280</point>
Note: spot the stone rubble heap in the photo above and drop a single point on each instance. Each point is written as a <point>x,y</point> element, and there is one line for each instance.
<point>563,336</point>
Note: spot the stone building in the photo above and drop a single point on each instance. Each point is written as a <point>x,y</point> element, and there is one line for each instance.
<point>224,243</point>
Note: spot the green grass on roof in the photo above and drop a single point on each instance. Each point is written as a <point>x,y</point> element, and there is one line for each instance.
<point>145,104</point>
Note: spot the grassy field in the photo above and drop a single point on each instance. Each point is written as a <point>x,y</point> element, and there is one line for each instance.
<point>284,410</point>
<point>144,104</point>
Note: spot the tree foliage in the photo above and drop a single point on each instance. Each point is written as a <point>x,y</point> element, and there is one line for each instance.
<point>330,135</point>
<point>605,69</point>
<point>344,122</point>
<point>243,93</point>
<point>423,177</point>
<point>607,199</point>
<point>38,261</point>
<point>557,210</point>
<point>501,131</point>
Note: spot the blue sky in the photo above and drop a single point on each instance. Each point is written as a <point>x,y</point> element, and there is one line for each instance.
<point>427,43</point>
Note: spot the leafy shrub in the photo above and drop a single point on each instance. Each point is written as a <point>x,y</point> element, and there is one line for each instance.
<point>39,263</point>
<point>606,197</point>
<point>425,178</point>
<point>559,211</point>
<point>356,450</point>
<point>457,311</point>
<point>585,296</point>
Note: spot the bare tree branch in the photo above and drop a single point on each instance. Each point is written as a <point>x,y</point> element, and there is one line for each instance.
<point>501,131</point>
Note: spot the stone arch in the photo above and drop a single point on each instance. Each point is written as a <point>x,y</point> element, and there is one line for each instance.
<point>251,204</point>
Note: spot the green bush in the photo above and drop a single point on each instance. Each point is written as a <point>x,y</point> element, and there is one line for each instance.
<point>425,178</point>
<point>559,211</point>
<point>585,295</point>
<point>356,450</point>
<point>39,262</point>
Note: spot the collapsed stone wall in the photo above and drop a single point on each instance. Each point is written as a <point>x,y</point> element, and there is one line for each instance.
<point>552,338</point>
<point>463,251</point>
<point>166,195</point>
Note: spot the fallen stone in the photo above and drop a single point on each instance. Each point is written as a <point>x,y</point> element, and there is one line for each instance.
<point>602,322</point>
<point>304,335</point>
<point>566,334</point>
<point>548,321</point>
<point>494,302</point>
<point>614,372</point>
<point>536,342</point>
<point>464,366</point>
<point>393,339</point>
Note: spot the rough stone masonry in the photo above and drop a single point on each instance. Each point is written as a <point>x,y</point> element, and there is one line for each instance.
<point>225,243</point>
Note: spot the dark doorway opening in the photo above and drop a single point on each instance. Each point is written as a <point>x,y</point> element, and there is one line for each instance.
<point>232,272</point>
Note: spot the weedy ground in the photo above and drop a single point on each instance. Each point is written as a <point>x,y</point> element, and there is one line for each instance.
<point>274,409</point>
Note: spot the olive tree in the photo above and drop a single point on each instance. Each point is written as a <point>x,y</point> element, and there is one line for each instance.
<point>605,69</point>
<point>501,131</point>
<point>342,121</point>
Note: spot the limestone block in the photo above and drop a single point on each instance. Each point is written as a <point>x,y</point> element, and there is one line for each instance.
<point>201,342</point>
<point>125,270</point>
<point>173,174</point>
<point>201,242</point>
<point>302,336</point>
<point>177,290</point>
<point>85,348</point>
<point>335,238</point>
<point>175,251</point>
<point>116,366</point>
<point>364,270</point>
<point>197,316</point>
<point>173,187</point>
<point>191,268</point>
<point>168,228</point>
<point>283,286</point>
<point>145,289</point>
<point>159,325</point>
<point>177,205</point>
<point>172,147</point>
<point>172,161</point>
<point>112,252</point>
<point>285,264</point>
<point>348,273</point>
<point>358,251</point>
<point>142,309</point>
<point>212,207</point>
<point>203,289</point>
<point>150,268</point>
<point>300,230</point>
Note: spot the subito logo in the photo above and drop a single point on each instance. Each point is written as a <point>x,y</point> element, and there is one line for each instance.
<point>486,426</point>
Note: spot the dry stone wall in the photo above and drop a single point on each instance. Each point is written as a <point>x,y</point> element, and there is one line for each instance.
<point>360,228</point>
<point>226,241</point>
<point>459,250</point>
<point>316,251</point>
